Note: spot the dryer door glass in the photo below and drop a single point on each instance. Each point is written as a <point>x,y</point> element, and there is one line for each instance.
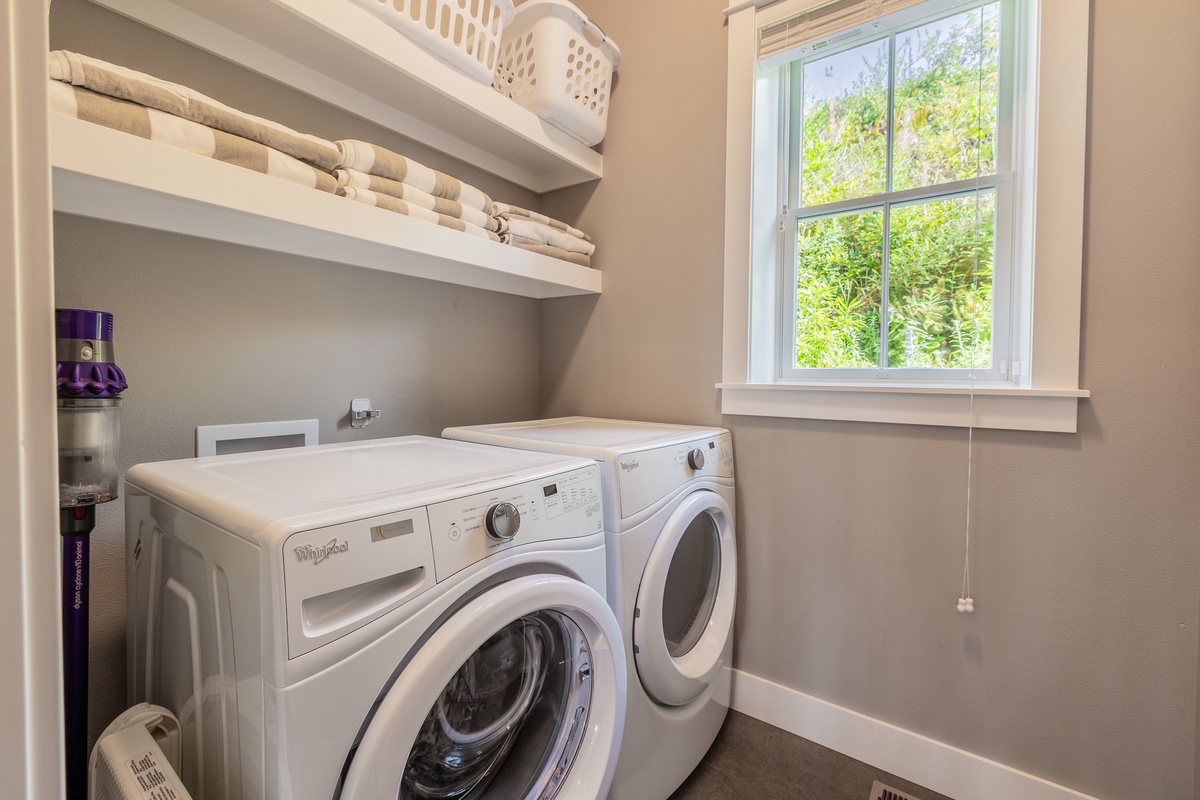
<point>509,722</point>
<point>684,614</point>
<point>691,588</point>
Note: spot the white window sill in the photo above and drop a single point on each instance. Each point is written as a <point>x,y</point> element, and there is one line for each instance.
<point>909,404</point>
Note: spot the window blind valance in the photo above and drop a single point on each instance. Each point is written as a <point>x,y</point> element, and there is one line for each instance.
<point>839,18</point>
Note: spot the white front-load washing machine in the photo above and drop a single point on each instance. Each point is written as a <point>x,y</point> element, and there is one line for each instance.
<point>405,618</point>
<point>672,579</point>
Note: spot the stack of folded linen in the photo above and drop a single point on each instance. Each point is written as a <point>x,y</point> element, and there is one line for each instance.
<point>142,105</point>
<point>376,176</point>
<point>538,233</point>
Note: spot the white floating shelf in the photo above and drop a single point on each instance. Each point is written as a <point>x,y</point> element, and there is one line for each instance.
<point>341,54</point>
<point>112,175</point>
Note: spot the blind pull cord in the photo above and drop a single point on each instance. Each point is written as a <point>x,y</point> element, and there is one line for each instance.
<point>966,604</point>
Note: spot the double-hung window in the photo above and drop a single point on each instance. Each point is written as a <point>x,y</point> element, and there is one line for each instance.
<point>888,200</point>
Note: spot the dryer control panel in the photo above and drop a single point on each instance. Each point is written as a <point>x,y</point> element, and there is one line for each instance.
<point>647,476</point>
<point>562,506</point>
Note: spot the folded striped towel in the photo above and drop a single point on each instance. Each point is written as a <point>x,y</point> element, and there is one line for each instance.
<point>180,101</point>
<point>534,246</point>
<point>168,129</point>
<point>416,212</point>
<point>379,161</point>
<point>551,236</point>
<point>508,211</point>
<point>411,194</point>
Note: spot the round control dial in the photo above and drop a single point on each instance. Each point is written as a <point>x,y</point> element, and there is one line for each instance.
<point>696,459</point>
<point>502,521</point>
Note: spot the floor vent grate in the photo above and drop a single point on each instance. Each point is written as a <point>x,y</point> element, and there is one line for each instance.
<point>882,792</point>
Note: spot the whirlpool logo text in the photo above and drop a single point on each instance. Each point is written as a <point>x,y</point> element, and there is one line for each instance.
<point>307,552</point>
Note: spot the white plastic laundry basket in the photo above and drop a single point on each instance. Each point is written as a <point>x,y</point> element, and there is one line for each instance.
<point>559,65</point>
<point>464,33</point>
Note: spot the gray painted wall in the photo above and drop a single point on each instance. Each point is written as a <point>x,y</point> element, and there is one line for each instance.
<point>211,333</point>
<point>1079,664</point>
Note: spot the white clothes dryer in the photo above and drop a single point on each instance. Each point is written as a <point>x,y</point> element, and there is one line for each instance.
<point>672,579</point>
<point>400,619</point>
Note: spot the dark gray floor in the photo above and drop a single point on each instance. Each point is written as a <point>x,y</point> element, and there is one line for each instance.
<point>751,760</point>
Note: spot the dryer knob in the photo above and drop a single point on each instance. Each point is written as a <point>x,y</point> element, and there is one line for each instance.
<point>502,521</point>
<point>696,459</point>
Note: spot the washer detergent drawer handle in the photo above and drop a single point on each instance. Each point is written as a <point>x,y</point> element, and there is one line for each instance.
<point>341,607</point>
<point>339,578</point>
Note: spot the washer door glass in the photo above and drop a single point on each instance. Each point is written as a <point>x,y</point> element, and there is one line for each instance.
<point>509,718</point>
<point>517,695</point>
<point>684,615</point>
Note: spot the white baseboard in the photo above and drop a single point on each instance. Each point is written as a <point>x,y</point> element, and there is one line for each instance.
<point>934,765</point>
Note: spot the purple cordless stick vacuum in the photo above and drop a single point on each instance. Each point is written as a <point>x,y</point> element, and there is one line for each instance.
<point>89,385</point>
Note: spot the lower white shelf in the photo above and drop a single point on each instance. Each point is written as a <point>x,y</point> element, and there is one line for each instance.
<point>107,174</point>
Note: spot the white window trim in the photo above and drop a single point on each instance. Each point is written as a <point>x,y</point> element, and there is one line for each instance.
<point>1047,396</point>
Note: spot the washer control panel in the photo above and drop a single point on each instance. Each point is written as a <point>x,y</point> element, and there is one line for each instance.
<point>468,529</point>
<point>502,521</point>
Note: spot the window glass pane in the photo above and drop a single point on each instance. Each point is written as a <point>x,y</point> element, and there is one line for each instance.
<point>845,125</point>
<point>838,288</point>
<point>947,90</point>
<point>940,282</point>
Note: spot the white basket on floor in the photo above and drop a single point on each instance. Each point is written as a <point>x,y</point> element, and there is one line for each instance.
<point>464,33</point>
<point>559,65</point>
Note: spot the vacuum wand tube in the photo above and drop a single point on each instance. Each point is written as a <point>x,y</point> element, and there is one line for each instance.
<point>89,385</point>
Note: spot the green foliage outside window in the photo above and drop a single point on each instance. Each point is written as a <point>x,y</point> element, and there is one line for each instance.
<point>939,254</point>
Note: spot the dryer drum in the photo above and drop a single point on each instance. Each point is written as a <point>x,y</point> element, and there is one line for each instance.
<point>505,717</point>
